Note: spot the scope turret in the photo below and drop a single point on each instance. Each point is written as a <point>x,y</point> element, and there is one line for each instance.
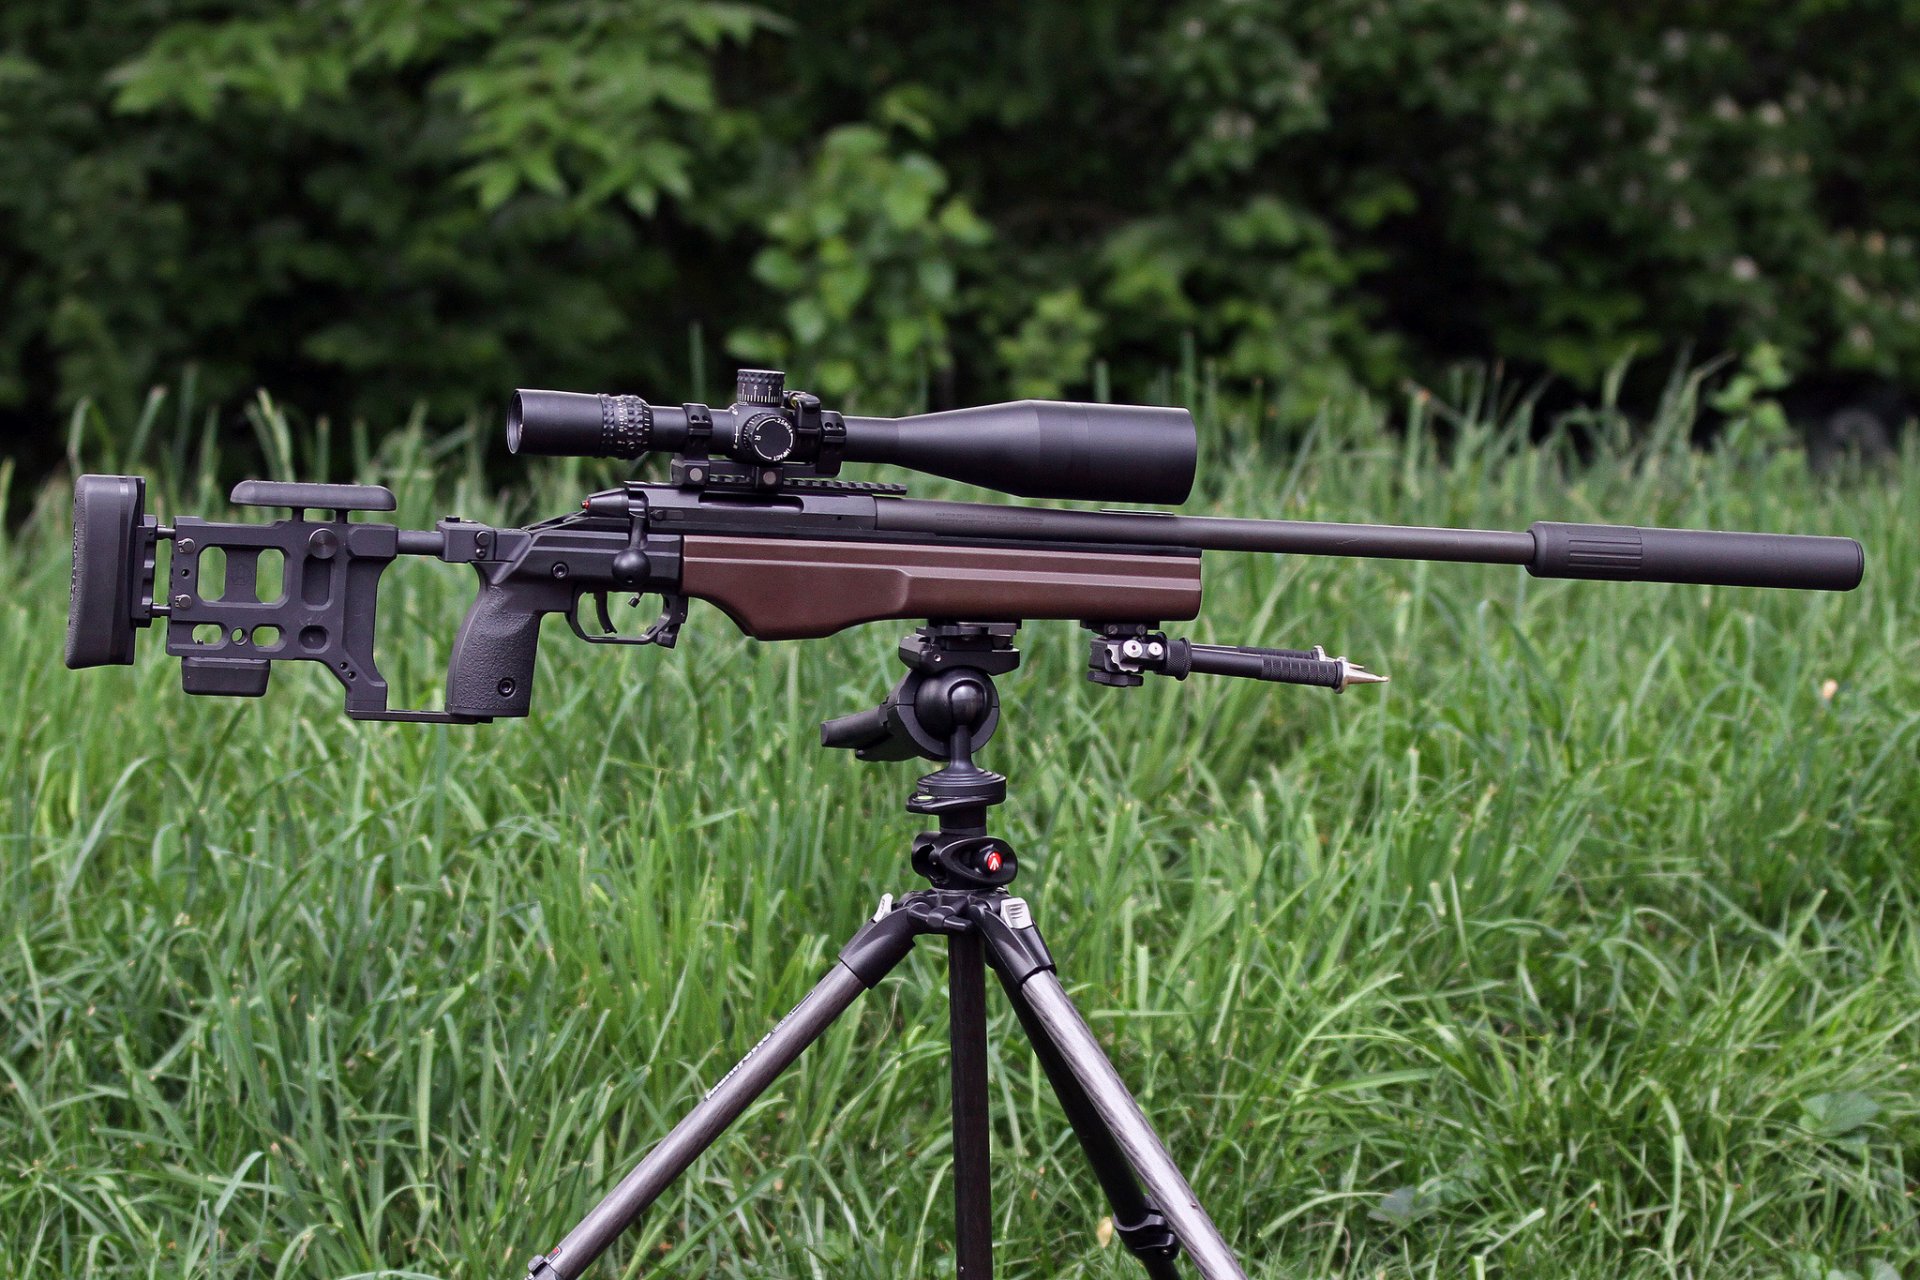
<point>1031,448</point>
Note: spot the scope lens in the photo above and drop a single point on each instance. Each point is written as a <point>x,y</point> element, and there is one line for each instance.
<point>514,425</point>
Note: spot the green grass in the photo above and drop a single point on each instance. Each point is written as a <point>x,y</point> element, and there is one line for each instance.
<point>1587,947</point>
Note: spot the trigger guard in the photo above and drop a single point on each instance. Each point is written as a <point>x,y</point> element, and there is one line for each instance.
<point>663,631</point>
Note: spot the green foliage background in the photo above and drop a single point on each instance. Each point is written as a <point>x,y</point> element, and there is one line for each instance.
<point>367,205</point>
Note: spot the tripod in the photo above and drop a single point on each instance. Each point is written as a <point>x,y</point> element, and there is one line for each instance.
<point>945,709</point>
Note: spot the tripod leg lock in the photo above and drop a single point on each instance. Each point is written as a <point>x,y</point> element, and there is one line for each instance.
<point>1150,1237</point>
<point>882,943</point>
<point>1014,945</point>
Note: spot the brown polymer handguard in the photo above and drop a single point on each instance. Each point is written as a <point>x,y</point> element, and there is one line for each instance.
<point>779,589</point>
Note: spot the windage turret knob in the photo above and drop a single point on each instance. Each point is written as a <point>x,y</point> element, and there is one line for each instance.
<point>765,438</point>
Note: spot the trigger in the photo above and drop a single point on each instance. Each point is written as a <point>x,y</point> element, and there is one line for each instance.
<point>600,607</point>
<point>666,628</point>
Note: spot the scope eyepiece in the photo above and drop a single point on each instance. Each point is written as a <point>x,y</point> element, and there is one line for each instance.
<point>568,424</point>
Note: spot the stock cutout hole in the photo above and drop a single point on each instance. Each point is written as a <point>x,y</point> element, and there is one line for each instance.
<point>270,576</point>
<point>213,574</point>
<point>207,634</point>
<point>266,637</point>
<point>239,635</point>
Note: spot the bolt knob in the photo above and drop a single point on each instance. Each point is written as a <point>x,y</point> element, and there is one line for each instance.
<point>766,387</point>
<point>630,567</point>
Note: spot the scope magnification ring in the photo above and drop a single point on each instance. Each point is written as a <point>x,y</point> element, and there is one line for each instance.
<point>626,426</point>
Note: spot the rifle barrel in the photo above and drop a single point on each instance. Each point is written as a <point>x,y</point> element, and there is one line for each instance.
<point>1547,550</point>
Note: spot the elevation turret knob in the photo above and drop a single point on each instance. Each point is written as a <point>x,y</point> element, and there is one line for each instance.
<point>764,387</point>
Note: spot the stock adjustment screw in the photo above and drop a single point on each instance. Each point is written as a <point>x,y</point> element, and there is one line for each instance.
<point>186,544</point>
<point>506,687</point>
<point>559,570</point>
<point>181,602</point>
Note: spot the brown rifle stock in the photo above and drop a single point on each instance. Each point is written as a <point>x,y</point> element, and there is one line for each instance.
<point>790,589</point>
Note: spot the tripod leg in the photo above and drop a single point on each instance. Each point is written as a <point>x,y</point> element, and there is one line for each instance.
<point>972,1137</point>
<point>1022,959</point>
<point>874,951</point>
<point>1140,1226</point>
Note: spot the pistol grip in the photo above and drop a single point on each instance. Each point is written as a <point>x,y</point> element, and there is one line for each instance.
<point>491,673</point>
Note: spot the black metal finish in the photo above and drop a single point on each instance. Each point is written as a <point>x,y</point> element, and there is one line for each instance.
<point>1042,449</point>
<point>297,497</point>
<point>972,1138</point>
<point>1703,556</point>
<point>1204,533</point>
<point>1796,561</point>
<point>1124,654</point>
<point>770,436</point>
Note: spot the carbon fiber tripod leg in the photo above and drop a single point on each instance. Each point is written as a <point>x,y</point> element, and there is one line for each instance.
<point>1023,962</point>
<point>869,957</point>
<point>972,1135</point>
<point>1140,1226</point>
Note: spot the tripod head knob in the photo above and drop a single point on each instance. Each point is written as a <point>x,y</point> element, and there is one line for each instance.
<point>953,701</point>
<point>948,687</point>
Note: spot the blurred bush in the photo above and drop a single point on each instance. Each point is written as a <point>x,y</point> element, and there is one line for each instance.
<point>375,204</point>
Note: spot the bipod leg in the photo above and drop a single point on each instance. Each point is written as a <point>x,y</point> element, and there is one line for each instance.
<point>871,954</point>
<point>1111,1127</point>
<point>972,1135</point>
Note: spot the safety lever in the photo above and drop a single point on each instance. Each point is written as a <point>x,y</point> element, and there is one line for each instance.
<point>1124,654</point>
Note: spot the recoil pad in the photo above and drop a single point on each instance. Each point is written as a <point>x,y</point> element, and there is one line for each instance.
<point>111,567</point>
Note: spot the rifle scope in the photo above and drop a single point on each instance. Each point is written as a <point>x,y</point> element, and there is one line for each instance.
<point>1031,448</point>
